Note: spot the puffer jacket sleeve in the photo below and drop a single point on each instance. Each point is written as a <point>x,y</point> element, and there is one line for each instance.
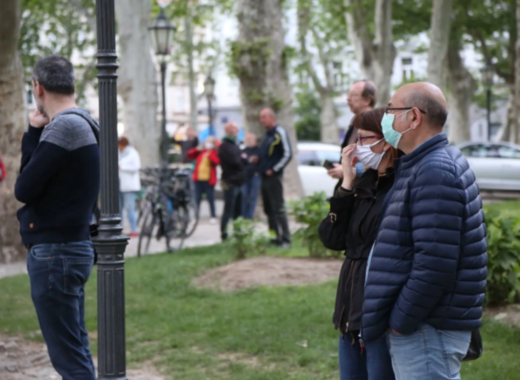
<point>437,207</point>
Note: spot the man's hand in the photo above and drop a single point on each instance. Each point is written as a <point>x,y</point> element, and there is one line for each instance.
<point>395,332</point>
<point>254,159</point>
<point>269,172</point>
<point>336,172</point>
<point>39,120</point>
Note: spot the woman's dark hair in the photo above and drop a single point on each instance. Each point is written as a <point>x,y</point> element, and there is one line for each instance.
<point>370,120</point>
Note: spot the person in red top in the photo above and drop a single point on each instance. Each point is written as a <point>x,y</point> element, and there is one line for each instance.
<point>205,173</point>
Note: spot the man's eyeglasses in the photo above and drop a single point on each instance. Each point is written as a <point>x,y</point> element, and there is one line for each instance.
<point>362,139</point>
<point>388,109</point>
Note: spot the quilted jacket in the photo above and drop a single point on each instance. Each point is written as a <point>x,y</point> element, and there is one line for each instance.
<point>429,264</point>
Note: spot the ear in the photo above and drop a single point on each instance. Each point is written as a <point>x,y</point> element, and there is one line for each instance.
<point>38,89</point>
<point>417,118</point>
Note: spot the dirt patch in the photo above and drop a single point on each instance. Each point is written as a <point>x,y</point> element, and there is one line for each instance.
<point>25,360</point>
<point>269,271</point>
<point>507,314</point>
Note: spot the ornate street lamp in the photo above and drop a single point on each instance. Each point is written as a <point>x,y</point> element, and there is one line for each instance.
<point>161,32</point>
<point>110,244</point>
<point>209,91</point>
<point>488,76</point>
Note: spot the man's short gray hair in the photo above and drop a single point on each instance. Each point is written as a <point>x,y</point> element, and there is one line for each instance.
<point>436,113</point>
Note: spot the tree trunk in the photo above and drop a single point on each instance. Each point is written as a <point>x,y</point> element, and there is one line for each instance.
<point>460,95</point>
<point>191,71</point>
<point>137,82</point>
<point>439,40</point>
<point>328,120</point>
<point>259,61</point>
<point>375,58</point>
<point>514,135</point>
<point>12,125</point>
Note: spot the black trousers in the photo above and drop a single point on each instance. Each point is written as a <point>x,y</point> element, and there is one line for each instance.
<point>232,208</point>
<point>274,207</point>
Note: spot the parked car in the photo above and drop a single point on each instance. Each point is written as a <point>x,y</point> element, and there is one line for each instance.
<point>310,166</point>
<point>496,165</point>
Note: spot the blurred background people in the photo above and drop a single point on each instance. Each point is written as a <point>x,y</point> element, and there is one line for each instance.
<point>129,181</point>
<point>276,152</point>
<point>251,187</point>
<point>205,174</point>
<point>361,97</point>
<point>233,175</point>
<point>187,140</point>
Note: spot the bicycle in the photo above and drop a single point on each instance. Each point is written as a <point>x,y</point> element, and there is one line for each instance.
<point>168,211</point>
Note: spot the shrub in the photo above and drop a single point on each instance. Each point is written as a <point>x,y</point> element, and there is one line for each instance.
<point>246,239</point>
<point>503,281</point>
<point>310,211</point>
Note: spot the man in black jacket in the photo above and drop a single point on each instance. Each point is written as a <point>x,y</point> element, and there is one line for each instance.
<point>233,174</point>
<point>276,152</point>
<point>362,97</point>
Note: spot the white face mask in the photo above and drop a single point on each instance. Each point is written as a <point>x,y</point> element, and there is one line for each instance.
<point>208,145</point>
<point>368,158</point>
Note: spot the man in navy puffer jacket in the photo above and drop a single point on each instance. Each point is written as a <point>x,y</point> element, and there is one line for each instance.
<point>427,277</point>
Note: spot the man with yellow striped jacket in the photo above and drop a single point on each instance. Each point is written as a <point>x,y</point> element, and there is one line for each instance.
<point>276,152</point>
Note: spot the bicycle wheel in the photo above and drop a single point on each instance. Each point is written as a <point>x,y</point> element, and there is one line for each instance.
<point>149,224</point>
<point>176,228</point>
<point>192,219</point>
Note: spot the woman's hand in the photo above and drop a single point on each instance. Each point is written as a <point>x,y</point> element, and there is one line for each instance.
<point>348,161</point>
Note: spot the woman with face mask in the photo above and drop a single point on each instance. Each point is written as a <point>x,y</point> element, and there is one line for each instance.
<point>205,173</point>
<point>352,226</point>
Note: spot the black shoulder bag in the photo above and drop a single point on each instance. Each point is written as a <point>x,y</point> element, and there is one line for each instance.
<point>475,348</point>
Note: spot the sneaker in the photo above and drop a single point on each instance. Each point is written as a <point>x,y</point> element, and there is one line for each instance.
<point>134,235</point>
<point>213,221</point>
<point>285,245</point>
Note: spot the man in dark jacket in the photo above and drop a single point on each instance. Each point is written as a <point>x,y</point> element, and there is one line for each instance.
<point>59,184</point>
<point>427,276</point>
<point>276,152</point>
<point>233,174</point>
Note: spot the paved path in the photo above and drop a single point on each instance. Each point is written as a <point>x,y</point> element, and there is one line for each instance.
<point>205,234</point>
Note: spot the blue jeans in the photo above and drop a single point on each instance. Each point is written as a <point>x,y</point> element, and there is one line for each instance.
<point>58,274</point>
<point>230,206</point>
<point>250,192</point>
<point>203,187</point>
<point>127,202</point>
<point>428,353</point>
<point>373,364</point>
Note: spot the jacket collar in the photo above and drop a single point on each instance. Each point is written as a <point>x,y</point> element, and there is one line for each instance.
<point>436,142</point>
<point>367,183</point>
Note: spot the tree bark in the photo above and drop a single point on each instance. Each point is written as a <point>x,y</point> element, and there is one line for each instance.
<point>12,126</point>
<point>137,82</point>
<point>375,57</point>
<point>460,95</point>
<point>514,133</point>
<point>191,70</point>
<point>439,40</point>
<point>329,131</point>
<point>259,61</point>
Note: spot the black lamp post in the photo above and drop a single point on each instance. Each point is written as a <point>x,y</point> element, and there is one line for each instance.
<point>488,76</point>
<point>209,91</point>
<point>161,32</point>
<point>110,244</point>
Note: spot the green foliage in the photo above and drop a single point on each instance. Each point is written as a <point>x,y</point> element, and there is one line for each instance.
<point>60,27</point>
<point>310,211</point>
<point>308,109</point>
<point>246,239</point>
<point>503,283</point>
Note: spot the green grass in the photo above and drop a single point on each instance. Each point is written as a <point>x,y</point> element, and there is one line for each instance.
<point>192,334</point>
<point>509,208</point>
